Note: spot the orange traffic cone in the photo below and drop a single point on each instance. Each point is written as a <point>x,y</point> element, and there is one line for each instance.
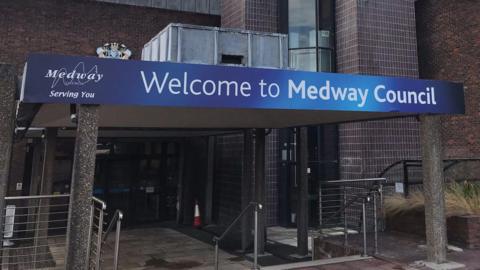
<point>197,221</point>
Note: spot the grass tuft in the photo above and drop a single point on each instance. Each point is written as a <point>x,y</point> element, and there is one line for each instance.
<point>460,199</point>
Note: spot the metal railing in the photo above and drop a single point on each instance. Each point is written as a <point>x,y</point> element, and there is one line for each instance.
<point>217,239</point>
<point>116,223</point>
<point>351,206</point>
<point>408,174</point>
<point>35,230</point>
<point>97,214</point>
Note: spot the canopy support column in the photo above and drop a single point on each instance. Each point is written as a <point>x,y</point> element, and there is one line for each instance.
<point>433,184</point>
<point>210,180</point>
<point>7,127</point>
<point>46,188</point>
<point>247,182</point>
<point>302,195</point>
<point>82,187</point>
<point>260,185</point>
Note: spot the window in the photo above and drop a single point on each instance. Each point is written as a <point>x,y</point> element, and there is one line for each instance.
<point>311,34</point>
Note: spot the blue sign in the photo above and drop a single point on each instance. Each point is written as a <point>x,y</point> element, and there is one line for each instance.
<point>91,80</point>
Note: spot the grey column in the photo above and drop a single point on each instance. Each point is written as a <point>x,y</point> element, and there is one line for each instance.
<point>82,187</point>
<point>35,180</point>
<point>260,185</point>
<point>433,185</point>
<point>302,195</point>
<point>46,186</point>
<point>209,185</point>
<point>7,126</point>
<point>247,184</point>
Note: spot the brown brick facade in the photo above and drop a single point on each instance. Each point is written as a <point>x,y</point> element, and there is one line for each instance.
<point>257,15</point>
<point>233,13</point>
<point>76,27</point>
<point>448,44</point>
<point>377,38</point>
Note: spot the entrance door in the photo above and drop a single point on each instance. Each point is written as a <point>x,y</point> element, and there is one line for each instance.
<point>140,178</point>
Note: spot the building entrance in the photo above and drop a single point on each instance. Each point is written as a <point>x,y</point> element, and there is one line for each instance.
<point>140,178</point>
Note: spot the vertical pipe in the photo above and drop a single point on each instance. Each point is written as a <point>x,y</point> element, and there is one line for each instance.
<point>382,211</point>
<point>302,195</point>
<point>345,221</point>
<point>99,237</point>
<point>406,185</point>
<point>255,243</point>
<point>364,225</point>
<point>90,229</point>
<point>260,184</point>
<point>117,241</point>
<point>375,221</point>
<point>246,188</point>
<point>46,188</point>
<point>216,254</point>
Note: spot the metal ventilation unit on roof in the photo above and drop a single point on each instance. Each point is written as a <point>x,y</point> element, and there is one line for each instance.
<point>217,46</point>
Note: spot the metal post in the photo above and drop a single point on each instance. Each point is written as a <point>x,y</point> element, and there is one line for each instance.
<point>117,241</point>
<point>382,210</point>
<point>406,184</point>
<point>302,191</point>
<point>90,228</point>
<point>375,221</point>
<point>216,254</point>
<point>364,224</point>
<point>260,185</point>
<point>99,237</point>
<point>246,189</point>
<point>255,243</point>
<point>345,221</point>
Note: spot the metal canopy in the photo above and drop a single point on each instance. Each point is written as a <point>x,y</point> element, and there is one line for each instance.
<point>58,115</point>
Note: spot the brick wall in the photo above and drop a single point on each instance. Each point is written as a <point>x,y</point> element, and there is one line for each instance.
<point>233,13</point>
<point>257,15</point>
<point>376,37</point>
<point>262,15</point>
<point>79,27</point>
<point>228,178</point>
<point>448,44</point>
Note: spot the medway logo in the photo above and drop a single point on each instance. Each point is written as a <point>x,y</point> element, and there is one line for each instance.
<point>78,76</point>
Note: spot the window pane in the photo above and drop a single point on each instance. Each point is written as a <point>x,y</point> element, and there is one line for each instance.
<point>303,59</point>
<point>301,23</point>
<point>325,60</point>
<point>325,24</point>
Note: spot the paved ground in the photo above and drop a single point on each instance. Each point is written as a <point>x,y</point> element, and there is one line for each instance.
<point>407,249</point>
<point>369,264</point>
<point>169,248</point>
<point>164,248</point>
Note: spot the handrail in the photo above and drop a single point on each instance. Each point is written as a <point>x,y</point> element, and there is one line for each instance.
<point>256,206</point>
<point>37,197</point>
<point>418,162</point>
<point>117,220</point>
<point>102,203</point>
<point>118,215</point>
<point>234,222</point>
<point>356,180</point>
<point>352,201</point>
<point>368,197</point>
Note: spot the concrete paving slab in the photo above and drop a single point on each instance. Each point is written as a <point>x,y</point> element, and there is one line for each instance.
<point>164,248</point>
